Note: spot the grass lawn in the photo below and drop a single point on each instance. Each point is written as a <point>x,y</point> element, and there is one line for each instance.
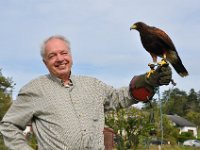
<point>166,147</point>
<point>169,147</point>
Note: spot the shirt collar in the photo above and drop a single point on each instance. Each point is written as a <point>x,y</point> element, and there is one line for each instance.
<point>69,84</point>
<point>54,78</point>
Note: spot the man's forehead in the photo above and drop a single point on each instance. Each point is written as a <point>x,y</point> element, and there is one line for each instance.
<point>56,44</point>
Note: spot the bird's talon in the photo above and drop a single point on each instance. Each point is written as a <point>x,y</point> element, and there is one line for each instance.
<point>152,66</point>
<point>150,72</point>
<point>163,62</point>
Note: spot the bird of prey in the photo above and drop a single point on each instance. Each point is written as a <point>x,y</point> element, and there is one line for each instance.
<point>158,43</point>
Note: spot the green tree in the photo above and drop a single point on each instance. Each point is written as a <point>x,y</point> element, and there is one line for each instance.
<point>176,98</point>
<point>131,125</point>
<point>192,101</point>
<point>194,117</point>
<point>198,97</point>
<point>6,86</point>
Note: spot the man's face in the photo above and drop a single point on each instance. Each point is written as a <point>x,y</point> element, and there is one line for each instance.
<point>58,58</point>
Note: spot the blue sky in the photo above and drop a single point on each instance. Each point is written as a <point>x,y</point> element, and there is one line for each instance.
<point>99,30</point>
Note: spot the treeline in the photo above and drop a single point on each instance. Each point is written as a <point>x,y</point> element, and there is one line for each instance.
<point>176,101</point>
<point>138,127</point>
<point>6,85</point>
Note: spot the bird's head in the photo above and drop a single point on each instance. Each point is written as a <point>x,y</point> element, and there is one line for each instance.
<point>138,26</point>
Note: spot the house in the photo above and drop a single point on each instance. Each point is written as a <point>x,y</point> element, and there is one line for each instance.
<point>183,124</point>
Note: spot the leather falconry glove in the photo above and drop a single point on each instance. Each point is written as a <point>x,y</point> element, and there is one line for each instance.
<point>161,76</point>
<point>142,88</point>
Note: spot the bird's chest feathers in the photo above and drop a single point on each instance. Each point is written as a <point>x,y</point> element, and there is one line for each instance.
<point>152,44</point>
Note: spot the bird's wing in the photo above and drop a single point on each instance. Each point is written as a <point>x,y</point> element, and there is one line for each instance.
<point>163,38</point>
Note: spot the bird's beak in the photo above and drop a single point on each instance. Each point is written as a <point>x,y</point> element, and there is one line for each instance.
<point>133,27</point>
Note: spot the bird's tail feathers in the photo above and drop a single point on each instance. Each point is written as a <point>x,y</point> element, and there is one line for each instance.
<point>180,69</point>
<point>176,62</point>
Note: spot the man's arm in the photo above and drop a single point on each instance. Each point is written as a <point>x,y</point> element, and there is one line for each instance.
<point>15,121</point>
<point>141,89</point>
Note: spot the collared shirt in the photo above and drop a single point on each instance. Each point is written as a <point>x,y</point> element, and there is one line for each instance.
<point>63,117</point>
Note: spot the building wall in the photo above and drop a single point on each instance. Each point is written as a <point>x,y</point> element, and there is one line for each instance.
<point>189,129</point>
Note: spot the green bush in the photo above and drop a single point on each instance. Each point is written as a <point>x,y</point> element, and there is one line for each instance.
<point>2,146</point>
<point>185,136</point>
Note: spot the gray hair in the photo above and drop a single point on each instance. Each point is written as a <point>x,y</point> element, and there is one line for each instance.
<point>43,47</point>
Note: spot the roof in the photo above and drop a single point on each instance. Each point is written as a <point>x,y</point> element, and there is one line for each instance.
<point>179,121</point>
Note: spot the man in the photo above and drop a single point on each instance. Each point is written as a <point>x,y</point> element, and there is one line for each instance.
<point>67,111</point>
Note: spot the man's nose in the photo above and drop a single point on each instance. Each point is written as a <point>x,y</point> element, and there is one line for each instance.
<point>59,57</point>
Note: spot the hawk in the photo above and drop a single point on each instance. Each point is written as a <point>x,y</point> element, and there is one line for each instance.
<point>158,43</point>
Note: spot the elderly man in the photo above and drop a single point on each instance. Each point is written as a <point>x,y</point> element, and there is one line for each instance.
<point>67,111</point>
